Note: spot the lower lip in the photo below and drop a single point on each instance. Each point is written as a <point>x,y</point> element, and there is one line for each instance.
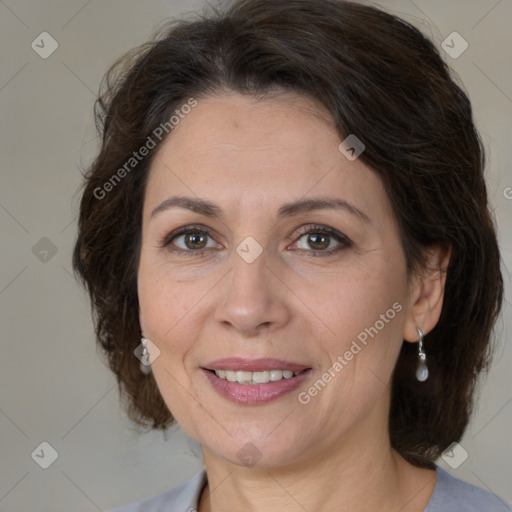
<point>254,394</point>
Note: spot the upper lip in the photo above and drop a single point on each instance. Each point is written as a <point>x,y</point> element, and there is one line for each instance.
<point>254,365</point>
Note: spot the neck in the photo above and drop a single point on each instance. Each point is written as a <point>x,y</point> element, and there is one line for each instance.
<point>362,473</point>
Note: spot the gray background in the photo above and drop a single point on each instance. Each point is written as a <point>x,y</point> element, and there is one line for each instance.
<point>53,385</point>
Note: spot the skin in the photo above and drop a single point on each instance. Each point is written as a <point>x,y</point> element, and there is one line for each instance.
<point>250,157</point>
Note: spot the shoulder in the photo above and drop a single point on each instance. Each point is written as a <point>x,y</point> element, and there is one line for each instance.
<point>183,498</point>
<point>454,495</point>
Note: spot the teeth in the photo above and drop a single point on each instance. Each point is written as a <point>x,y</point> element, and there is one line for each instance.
<point>276,375</point>
<point>260,377</point>
<point>244,377</point>
<point>264,377</point>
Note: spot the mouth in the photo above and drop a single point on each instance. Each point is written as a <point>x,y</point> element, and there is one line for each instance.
<point>253,382</point>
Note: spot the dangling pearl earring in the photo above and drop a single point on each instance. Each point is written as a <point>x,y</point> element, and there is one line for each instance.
<point>145,365</point>
<point>422,370</point>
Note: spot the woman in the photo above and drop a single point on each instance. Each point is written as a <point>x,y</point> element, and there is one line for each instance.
<point>289,251</point>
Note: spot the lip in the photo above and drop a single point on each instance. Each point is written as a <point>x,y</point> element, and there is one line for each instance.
<point>255,394</point>
<point>254,365</point>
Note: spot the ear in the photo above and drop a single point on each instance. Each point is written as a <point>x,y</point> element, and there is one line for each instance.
<point>426,294</point>
<point>141,323</point>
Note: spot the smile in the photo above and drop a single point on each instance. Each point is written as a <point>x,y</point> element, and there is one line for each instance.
<point>254,382</point>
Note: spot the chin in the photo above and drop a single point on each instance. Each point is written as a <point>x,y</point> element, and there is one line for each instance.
<point>258,450</point>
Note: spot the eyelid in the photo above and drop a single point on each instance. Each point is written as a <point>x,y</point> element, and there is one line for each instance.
<point>342,239</point>
<point>194,228</point>
<point>183,230</point>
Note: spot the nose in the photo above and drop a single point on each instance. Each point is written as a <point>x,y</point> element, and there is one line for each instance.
<point>254,299</point>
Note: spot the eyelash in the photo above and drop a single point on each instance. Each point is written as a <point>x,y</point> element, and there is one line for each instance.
<point>343,240</point>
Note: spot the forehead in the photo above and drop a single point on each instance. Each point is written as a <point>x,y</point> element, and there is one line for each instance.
<point>265,152</point>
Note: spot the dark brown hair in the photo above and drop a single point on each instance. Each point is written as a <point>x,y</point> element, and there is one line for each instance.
<point>381,80</point>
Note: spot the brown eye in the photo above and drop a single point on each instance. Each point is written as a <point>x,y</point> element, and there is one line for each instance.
<point>318,241</point>
<point>190,240</point>
<point>195,240</point>
<point>321,241</point>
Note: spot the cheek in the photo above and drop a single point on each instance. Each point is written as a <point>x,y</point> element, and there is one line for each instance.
<point>352,299</point>
<point>363,310</point>
<point>170,310</point>
<point>163,313</point>
<point>159,304</point>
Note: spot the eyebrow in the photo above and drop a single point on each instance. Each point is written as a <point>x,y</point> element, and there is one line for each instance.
<point>209,209</point>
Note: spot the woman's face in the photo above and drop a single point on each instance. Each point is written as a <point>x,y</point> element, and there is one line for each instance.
<point>248,289</point>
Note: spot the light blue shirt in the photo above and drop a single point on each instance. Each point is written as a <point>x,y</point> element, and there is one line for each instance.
<point>450,495</point>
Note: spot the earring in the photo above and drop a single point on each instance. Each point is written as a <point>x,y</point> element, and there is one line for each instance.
<point>145,364</point>
<point>422,370</point>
